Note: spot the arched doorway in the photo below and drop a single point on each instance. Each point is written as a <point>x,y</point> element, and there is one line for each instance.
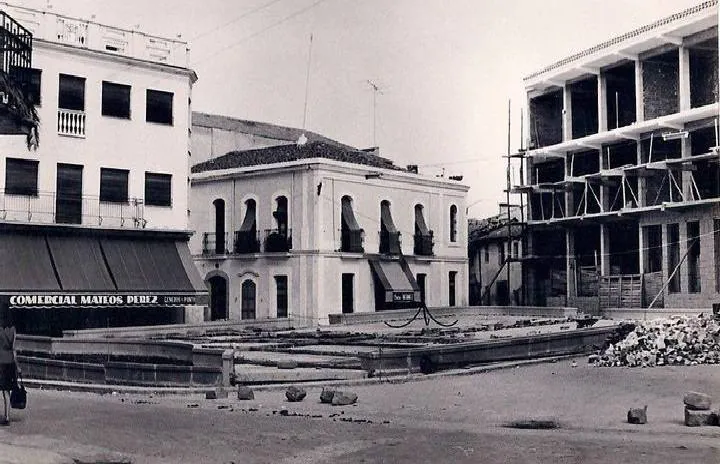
<point>218,298</point>
<point>247,305</point>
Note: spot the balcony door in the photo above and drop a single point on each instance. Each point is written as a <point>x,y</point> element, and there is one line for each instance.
<point>68,194</point>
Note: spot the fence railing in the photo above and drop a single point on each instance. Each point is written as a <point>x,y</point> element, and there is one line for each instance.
<point>213,246</point>
<point>246,242</point>
<point>71,123</point>
<point>351,241</point>
<point>49,208</point>
<point>424,244</point>
<point>278,241</point>
<point>389,243</point>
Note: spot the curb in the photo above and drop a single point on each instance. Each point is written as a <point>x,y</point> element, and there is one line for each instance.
<point>101,389</point>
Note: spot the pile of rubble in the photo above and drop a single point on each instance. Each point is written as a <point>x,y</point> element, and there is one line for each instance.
<point>679,341</point>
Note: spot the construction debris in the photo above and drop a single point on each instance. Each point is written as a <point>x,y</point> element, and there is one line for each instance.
<point>637,415</point>
<point>679,341</point>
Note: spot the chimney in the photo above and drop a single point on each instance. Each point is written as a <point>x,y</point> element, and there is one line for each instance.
<point>413,168</point>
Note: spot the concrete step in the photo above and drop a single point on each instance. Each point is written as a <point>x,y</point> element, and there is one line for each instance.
<point>271,359</point>
<point>254,374</point>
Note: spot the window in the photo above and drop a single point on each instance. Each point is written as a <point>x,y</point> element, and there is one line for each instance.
<point>281,286</point>
<point>71,93</point>
<point>32,86</point>
<point>673,242</point>
<point>501,253</point>
<point>247,299</point>
<point>114,185</point>
<point>421,278</point>
<point>159,107</point>
<point>157,189</point>
<point>487,254</point>
<point>451,288</point>
<point>516,249</point>
<point>21,177</point>
<point>693,256</point>
<point>453,223</point>
<point>115,100</point>
<point>348,302</point>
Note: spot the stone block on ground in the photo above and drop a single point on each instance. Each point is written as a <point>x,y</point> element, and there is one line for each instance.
<point>326,396</point>
<point>295,394</point>
<point>287,364</point>
<point>637,415</point>
<point>698,418</point>
<point>697,401</point>
<point>341,398</point>
<point>245,393</point>
<point>216,394</point>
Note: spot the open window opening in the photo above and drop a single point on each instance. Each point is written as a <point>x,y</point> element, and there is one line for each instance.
<point>654,148</point>
<point>584,105</point>
<point>246,239</point>
<point>620,97</point>
<point>661,84</point>
<point>423,236</point>
<point>453,223</point>
<point>704,73</point>
<point>587,259</point>
<point>673,256</point>
<point>620,154</point>
<point>550,269</point>
<point>351,235</point>
<point>624,248</point>
<point>546,127</point>
<point>584,162</point>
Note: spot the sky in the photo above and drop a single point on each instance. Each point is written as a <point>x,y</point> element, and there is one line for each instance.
<point>446,70</point>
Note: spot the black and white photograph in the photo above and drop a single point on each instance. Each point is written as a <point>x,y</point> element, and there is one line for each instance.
<point>359,231</point>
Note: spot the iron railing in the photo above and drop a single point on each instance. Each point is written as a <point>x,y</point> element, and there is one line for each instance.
<point>351,241</point>
<point>389,243</point>
<point>211,245</point>
<point>278,241</point>
<point>246,242</point>
<point>424,244</point>
<point>51,208</point>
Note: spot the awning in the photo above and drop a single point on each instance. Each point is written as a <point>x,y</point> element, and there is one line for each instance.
<point>386,218</point>
<point>348,217</point>
<point>79,264</point>
<point>420,226</point>
<point>248,223</point>
<point>25,264</point>
<point>397,282</point>
<point>147,264</point>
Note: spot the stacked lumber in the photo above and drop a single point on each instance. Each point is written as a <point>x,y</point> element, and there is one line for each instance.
<point>679,341</point>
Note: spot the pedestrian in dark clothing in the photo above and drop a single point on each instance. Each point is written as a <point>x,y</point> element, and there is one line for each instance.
<point>8,365</point>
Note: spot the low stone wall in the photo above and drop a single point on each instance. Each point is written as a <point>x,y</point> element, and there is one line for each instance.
<point>517,348</point>
<point>642,314</point>
<point>66,371</point>
<point>184,329</point>
<point>162,375</point>
<point>443,312</point>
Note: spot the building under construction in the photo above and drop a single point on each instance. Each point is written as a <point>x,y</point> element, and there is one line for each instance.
<point>621,175</point>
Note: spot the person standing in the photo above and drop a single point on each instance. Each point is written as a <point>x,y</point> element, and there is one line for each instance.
<point>8,365</point>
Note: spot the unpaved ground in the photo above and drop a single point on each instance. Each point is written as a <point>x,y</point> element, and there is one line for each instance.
<point>449,419</point>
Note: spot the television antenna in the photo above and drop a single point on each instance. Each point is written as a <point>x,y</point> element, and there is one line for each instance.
<point>375,90</point>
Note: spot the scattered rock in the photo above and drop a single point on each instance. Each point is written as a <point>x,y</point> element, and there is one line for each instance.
<point>697,401</point>
<point>193,405</point>
<point>284,412</point>
<point>295,394</point>
<point>637,415</point>
<point>245,393</point>
<point>287,364</point>
<point>698,418</point>
<point>218,393</point>
<point>326,396</point>
<point>341,398</point>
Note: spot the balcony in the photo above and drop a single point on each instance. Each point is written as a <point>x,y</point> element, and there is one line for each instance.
<point>351,241</point>
<point>246,242</point>
<point>424,244</point>
<point>80,33</point>
<point>390,243</point>
<point>277,241</point>
<point>71,123</point>
<point>86,210</point>
<point>211,246</point>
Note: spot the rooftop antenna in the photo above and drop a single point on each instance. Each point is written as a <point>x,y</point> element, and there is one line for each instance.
<point>375,91</point>
<point>307,83</point>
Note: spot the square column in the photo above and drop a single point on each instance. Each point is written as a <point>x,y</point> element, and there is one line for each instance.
<point>602,102</point>
<point>604,250</point>
<point>684,78</point>
<point>639,92</point>
<point>571,286</point>
<point>567,113</point>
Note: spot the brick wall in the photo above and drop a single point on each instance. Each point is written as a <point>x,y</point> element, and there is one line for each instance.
<point>660,85</point>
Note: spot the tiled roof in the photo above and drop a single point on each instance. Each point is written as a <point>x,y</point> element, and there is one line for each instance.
<point>293,152</point>
<point>494,227</point>
<point>259,129</point>
<point>628,35</point>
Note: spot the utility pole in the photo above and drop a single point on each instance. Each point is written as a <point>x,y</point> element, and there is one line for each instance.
<point>509,225</point>
<point>307,83</point>
<point>375,90</point>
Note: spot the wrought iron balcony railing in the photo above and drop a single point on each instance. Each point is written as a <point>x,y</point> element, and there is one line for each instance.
<point>424,244</point>
<point>211,245</point>
<point>390,243</point>
<point>278,241</point>
<point>351,241</point>
<point>246,242</point>
<point>54,208</point>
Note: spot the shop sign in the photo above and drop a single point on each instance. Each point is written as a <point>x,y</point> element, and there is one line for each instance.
<point>403,296</point>
<point>30,300</point>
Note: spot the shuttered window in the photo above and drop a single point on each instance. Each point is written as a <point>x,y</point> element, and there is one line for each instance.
<point>115,100</point>
<point>159,107</point>
<point>114,185</point>
<point>21,177</point>
<point>281,284</point>
<point>71,93</point>
<point>157,189</point>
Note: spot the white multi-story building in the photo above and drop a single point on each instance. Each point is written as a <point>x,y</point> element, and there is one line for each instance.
<point>100,207</point>
<point>309,230</point>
